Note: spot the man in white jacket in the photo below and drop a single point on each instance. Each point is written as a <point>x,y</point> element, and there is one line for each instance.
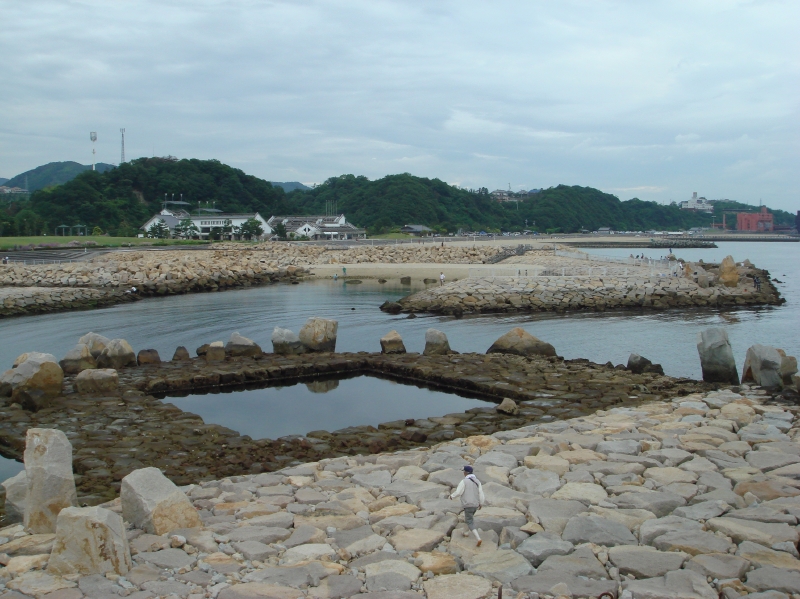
<point>472,498</point>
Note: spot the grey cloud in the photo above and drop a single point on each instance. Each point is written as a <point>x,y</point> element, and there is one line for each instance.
<point>654,99</point>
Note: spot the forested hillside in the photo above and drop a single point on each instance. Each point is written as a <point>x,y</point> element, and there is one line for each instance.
<point>120,200</point>
<point>53,173</point>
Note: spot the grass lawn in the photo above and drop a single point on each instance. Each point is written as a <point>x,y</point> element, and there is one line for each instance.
<point>9,243</point>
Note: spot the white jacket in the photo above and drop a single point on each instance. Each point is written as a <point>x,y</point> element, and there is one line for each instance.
<point>470,491</point>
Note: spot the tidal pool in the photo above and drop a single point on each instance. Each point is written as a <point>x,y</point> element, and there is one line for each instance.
<point>328,404</point>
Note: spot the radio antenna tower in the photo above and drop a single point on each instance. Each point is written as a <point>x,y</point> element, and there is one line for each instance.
<point>122,155</point>
<point>93,137</point>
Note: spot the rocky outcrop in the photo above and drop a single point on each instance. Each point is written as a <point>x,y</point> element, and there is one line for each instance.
<point>51,486</point>
<point>436,343</point>
<point>285,342</point>
<point>147,356</point>
<point>100,380</point>
<point>89,540</point>
<point>36,372</point>
<point>716,357</point>
<point>96,343</point>
<point>117,354</point>
<point>392,343</point>
<point>319,334</point>
<point>153,503</point>
<point>521,343</point>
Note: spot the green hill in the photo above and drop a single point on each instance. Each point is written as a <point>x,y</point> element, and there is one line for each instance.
<point>54,173</point>
<point>3,180</point>
<point>120,200</point>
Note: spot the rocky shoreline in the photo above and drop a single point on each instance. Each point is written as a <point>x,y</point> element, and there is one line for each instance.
<point>22,301</point>
<point>116,432</point>
<point>700,286</point>
<point>689,498</point>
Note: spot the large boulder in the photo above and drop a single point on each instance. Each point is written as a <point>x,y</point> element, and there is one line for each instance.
<point>762,366</point>
<point>152,502</point>
<point>392,343</point>
<point>728,275</point>
<point>117,354</point>
<point>78,359</point>
<point>286,343</point>
<point>148,356</point>
<point>319,334</point>
<point>16,489</point>
<point>51,485</point>
<point>97,343</point>
<point>716,357</point>
<point>89,540</point>
<point>436,343</point>
<point>239,345</point>
<point>520,342</point>
<point>788,367</point>
<point>37,372</point>
<point>99,380</point>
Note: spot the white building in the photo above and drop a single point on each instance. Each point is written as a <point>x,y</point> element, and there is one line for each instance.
<point>317,227</point>
<point>205,223</point>
<point>697,204</point>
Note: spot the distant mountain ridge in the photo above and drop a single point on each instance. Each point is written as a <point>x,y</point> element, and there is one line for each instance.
<point>54,173</point>
<point>290,186</point>
<point>3,180</point>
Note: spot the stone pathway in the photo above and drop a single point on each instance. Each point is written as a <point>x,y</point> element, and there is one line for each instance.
<point>685,498</point>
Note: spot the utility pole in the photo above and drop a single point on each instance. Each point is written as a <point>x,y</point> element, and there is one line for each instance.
<point>122,154</point>
<point>93,137</point>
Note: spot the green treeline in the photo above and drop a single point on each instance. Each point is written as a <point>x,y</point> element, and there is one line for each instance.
<point>120,200</point>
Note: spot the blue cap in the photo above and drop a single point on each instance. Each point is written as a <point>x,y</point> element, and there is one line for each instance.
<point>468,469</point>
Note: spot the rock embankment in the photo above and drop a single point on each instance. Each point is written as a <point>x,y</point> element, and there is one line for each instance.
<point>121,425</point>
<point>554,293</point>
<point>691,498</point>
<point>18,301</point>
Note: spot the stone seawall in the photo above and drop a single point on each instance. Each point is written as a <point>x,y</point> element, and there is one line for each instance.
<point>117,432</point>
<point>535,294</point>
<point>19,301</point>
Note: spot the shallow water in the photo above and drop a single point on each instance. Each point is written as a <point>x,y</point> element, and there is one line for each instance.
<point>191,320</point>
<point>668,338</point>
<point>325,404</point>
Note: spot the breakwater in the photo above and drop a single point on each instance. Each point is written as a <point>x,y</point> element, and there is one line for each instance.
<point>700,286</point>
<point>116,432</point>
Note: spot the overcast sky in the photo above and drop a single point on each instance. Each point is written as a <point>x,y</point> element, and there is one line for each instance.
<point>650,99</point>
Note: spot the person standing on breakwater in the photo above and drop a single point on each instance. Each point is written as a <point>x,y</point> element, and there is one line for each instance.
<point>441,279</point>
<point>757,283</point>
<point>472,498</point>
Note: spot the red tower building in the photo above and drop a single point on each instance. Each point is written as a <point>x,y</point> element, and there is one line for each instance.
<point>760,221</point>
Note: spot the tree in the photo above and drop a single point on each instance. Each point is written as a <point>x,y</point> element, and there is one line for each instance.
<point>97,231</point>
<point>186,229</point>
<point>158,230</point>
<point>251,228</point>
<point>227,227</point>
<point>280,231</point>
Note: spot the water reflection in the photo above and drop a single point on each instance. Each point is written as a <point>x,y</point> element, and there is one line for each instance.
<point>322,386</point>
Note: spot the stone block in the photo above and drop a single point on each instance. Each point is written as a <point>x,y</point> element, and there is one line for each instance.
<point>96,343</point>
<point>51,486</point>
<point>319,334</point>
<point>239,345</point>
<point>287,343</point>
<point>16,490</point>
<point>89,540</point>
<point>37,372</point>
<point>78,359</point>
<point>762,366</point>
<point>457,586</point>
<point>716,357</point>
<point>117,354</point>
<point>98,380</point>
<point>152,502</point>
<point>436,343</point>
<point>148,356</point>
<point>392,343</point>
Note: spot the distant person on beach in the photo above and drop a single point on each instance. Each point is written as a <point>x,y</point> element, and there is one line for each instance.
<point>5,260</point>
<point>757,283</point>
<point>472,498</point>
<point>344,271</point>
<point>441,279</point>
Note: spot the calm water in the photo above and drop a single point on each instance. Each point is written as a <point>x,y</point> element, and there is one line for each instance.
<point>330,405</point>
<point>191,320</point>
